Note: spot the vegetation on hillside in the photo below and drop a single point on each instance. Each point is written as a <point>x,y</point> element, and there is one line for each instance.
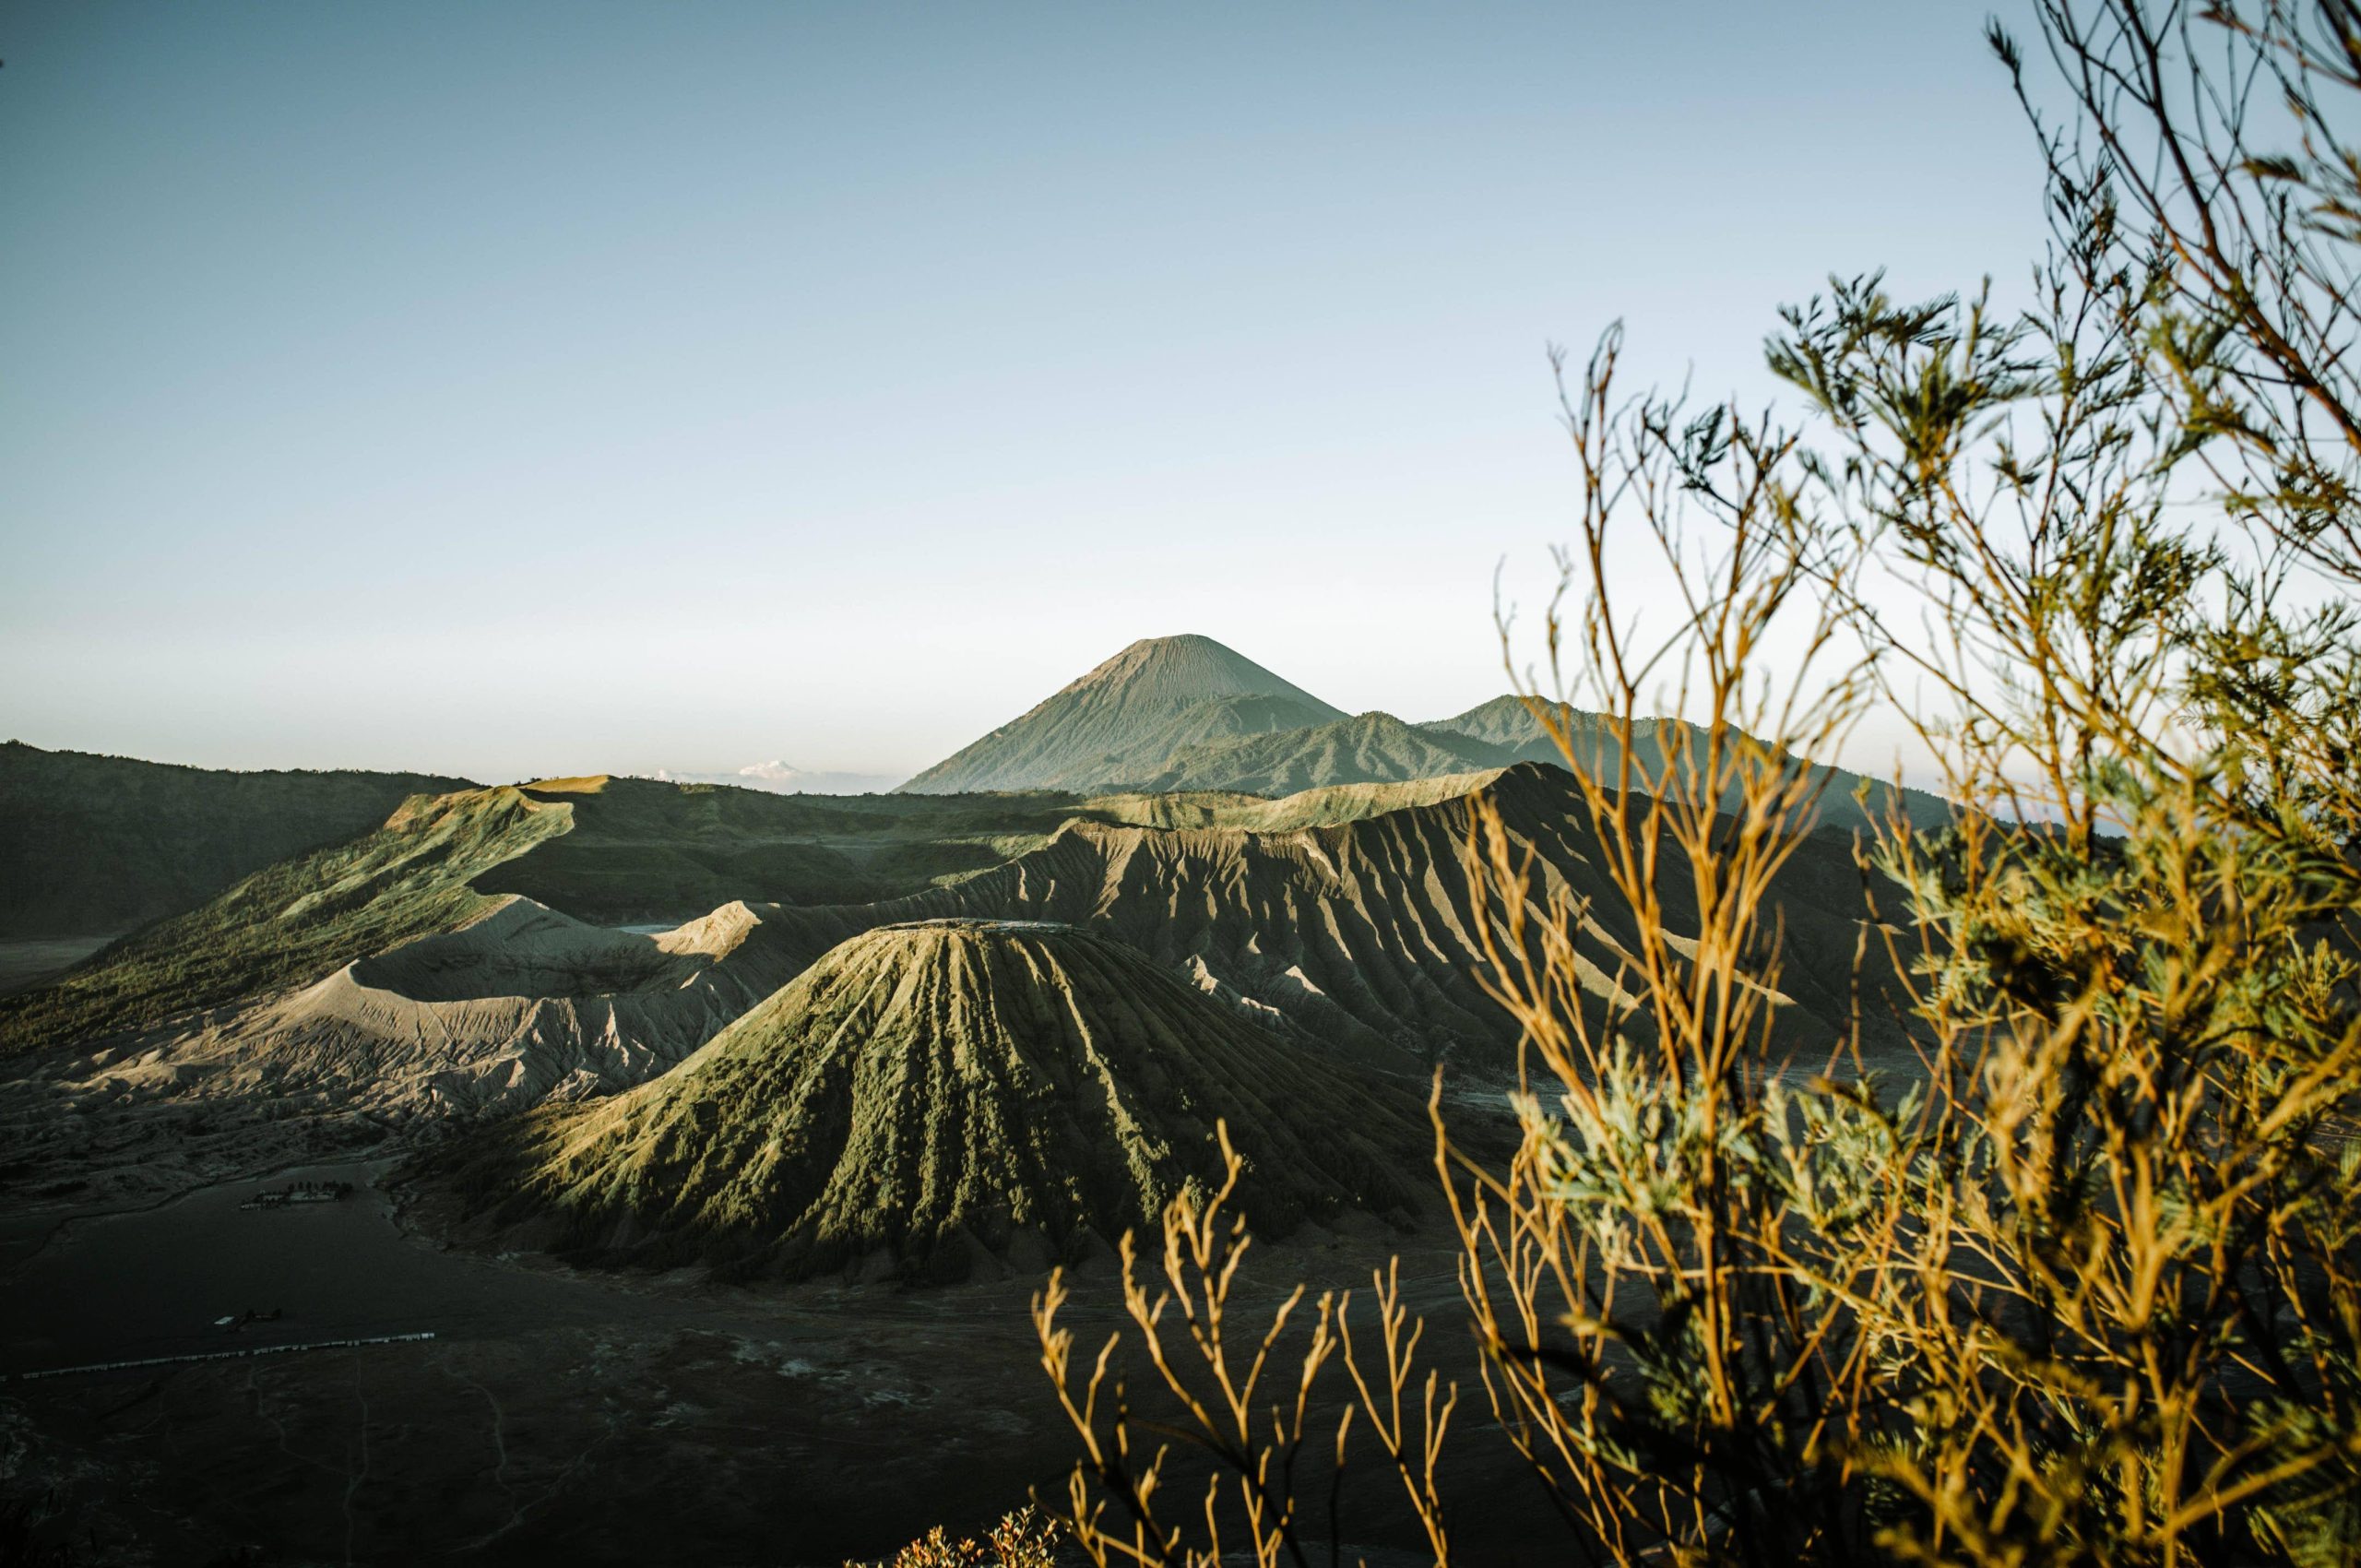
<point>1360,927</point>
<point>1372,748</point>
<point>605,850</point>
<point>93,845</point>
<point>931,1095</point>
<point>1117,724</point>
<point>294,922</point>
<point>2084,1285</point>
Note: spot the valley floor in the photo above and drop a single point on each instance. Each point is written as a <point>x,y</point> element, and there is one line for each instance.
<point>26,963</point>
<point>554,1416</point>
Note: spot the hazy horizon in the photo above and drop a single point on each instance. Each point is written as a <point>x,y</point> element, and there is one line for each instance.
<point>520,391</point>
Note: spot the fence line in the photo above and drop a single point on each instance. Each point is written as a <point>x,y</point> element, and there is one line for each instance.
<point>222,1355</point>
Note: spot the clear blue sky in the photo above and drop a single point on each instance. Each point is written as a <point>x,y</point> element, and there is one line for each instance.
<point>514,389</point>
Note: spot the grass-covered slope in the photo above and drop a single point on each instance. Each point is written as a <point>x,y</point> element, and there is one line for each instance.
<point>926,1095</point>
<point>1513,735</point>
<point>1372,748</point>
<point>1117,724</point>
<point>520,1005</point>
<point>1358,928</point>
<point>1307,808</point>
<point>295,921</point>
<point>90,846</point>
<point>606,851</point>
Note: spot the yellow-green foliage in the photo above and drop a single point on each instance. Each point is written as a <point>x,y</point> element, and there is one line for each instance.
<point>1022,1540</point>
<point>2077,1281</point>
<point>606,851</point>
<point>92,845</point>
<point>929,1093</point>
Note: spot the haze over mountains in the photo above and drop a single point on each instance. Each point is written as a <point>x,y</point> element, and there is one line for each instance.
<point>782,778</point>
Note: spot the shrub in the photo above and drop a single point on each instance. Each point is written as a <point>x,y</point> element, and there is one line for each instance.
<point>1022,1540</point>
<point>2082,1282</point>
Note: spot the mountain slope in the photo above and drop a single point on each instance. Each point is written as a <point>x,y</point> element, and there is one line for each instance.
<point>1362,935</point>
<point>1119,722</point>
<point>1326,806</point>
<point>294,922</point>
<point>928,1095</point>
<point>518,1005</point>
<point>605,850</point>
<point>515,1006</point>
<point>90,846</point>
<point>1372,748</point>
<point>1509,727</point>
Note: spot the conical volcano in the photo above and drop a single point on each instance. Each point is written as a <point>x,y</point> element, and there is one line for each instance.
<point>928,1095</point>
<point>1118,723</point>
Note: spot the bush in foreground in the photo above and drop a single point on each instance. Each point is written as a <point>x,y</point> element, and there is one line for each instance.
<point>2080,1283</point>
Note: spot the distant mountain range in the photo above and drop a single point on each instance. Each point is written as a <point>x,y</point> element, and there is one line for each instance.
<point>1185,713</point>
<point>92,846</point>
<point>464,960</point>
<point>780,779</point>
<point>482,951</point>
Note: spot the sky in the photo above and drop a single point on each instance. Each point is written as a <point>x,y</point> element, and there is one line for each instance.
<point>521,388</point>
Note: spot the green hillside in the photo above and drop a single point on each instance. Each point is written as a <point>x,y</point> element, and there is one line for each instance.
<point>1118,724</point>
<point>931,1095</point>
<point>294,922</point>
<point>1372,748</point>
<point>90,846</point>
<point>1510,729</point>
<point>607,851</point>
